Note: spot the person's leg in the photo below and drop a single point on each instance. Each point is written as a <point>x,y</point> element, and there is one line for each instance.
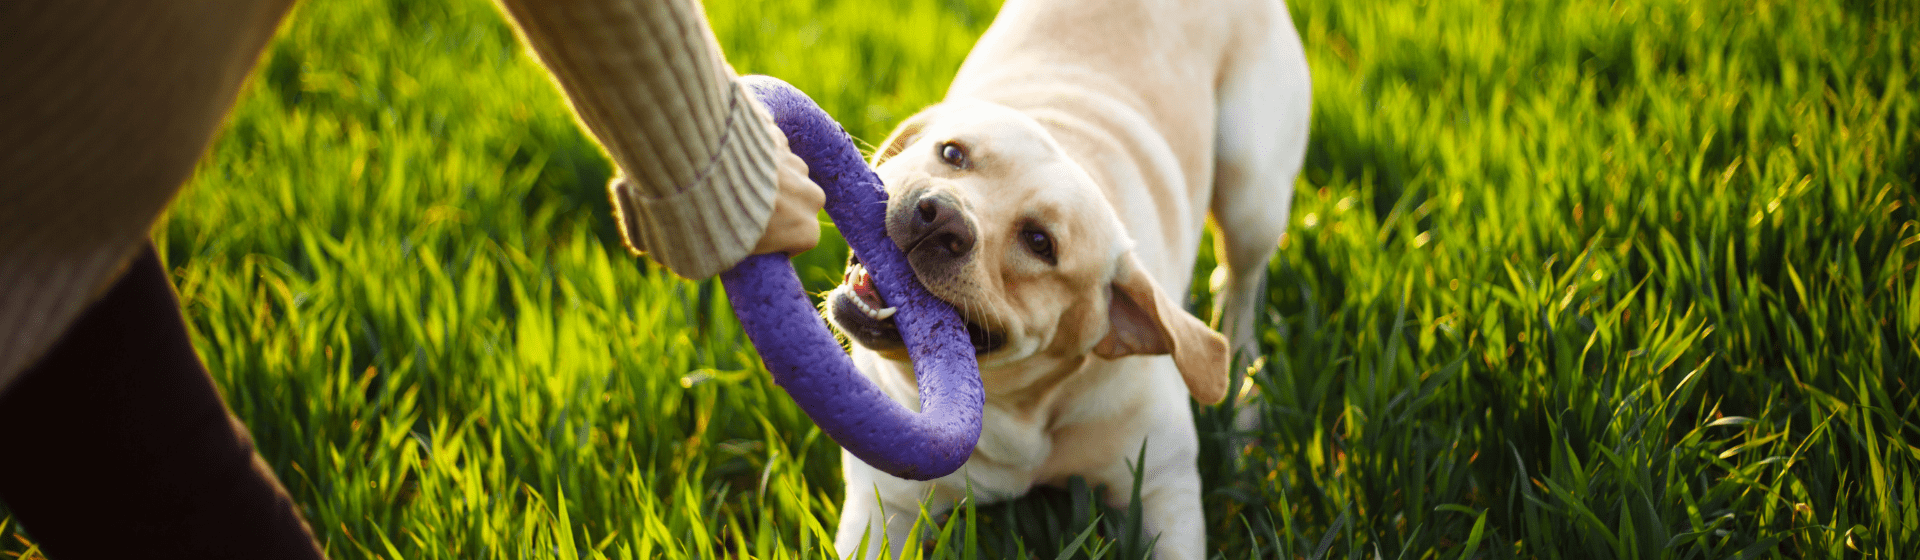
<point>105,107</point>
<point>117,445</point>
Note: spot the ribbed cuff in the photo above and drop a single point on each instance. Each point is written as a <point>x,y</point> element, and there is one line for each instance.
<point>713,222</point>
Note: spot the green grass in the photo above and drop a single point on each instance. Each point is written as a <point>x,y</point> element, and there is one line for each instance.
<point>1565,280</point>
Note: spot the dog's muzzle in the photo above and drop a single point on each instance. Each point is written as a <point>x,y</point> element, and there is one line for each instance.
<point>859,311</point>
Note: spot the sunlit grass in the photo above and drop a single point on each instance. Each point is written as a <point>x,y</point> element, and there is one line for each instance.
<point>1579,279</point>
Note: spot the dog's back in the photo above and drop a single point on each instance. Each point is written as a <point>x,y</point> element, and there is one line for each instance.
<point>1170,91</point>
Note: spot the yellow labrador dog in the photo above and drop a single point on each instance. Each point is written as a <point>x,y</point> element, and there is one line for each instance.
<point>1057,198</point>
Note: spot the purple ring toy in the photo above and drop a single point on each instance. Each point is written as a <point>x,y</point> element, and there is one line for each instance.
<point>804,357</point>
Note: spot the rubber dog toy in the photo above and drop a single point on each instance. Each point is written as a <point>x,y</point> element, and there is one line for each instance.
<point>804,357</point>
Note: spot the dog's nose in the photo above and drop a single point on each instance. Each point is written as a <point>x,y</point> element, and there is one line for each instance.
<point>933,225</point>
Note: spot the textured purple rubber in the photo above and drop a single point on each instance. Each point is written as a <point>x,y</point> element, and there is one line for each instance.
<point>809,363</point>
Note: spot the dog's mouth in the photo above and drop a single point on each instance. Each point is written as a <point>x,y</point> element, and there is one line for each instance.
<point>859,311</point>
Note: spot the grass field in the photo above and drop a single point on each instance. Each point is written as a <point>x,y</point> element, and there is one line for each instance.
<point>1565,280</point>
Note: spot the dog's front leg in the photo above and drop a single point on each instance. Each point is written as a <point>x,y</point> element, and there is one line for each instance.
<point>1171,507</point>
<point>879,508</point>
<point>1170,482</point>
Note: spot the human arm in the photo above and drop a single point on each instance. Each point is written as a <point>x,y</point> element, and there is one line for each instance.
<point>707,178</point>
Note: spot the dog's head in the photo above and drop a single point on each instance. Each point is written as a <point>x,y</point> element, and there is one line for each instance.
<point>998,221</point>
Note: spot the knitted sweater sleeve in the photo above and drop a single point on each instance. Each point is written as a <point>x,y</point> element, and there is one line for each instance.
<point>696,152</point>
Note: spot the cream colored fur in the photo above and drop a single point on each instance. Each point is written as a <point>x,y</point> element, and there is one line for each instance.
<point>1114,128</point>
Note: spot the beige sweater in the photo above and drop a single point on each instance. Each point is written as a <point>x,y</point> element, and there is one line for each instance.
<point>105,105</point>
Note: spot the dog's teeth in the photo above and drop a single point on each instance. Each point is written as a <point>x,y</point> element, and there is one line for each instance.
<point>868,309</point>
<point>857,278</point>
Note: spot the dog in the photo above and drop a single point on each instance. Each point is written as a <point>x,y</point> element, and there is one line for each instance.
<point>1057,198</point>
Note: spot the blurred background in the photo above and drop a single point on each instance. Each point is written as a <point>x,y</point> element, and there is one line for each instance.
<point>1565,279</point>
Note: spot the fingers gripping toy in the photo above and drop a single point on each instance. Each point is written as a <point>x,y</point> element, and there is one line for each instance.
<point>806,359</point>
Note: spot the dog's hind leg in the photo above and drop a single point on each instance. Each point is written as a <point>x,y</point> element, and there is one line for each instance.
<point>1265,104</point>
<point>1265,101</point>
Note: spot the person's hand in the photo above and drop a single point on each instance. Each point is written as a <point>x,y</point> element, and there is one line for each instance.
<point>794,226</point>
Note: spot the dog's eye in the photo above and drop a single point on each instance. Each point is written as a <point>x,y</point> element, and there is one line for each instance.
<point>954,154</point>
<point>1040,243</point>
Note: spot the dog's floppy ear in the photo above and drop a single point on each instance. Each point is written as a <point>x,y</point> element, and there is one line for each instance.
<point>1146,321</point>
<point>903,135</point>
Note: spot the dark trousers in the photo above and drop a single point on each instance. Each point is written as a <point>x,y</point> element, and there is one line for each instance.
<point>117,445</point>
